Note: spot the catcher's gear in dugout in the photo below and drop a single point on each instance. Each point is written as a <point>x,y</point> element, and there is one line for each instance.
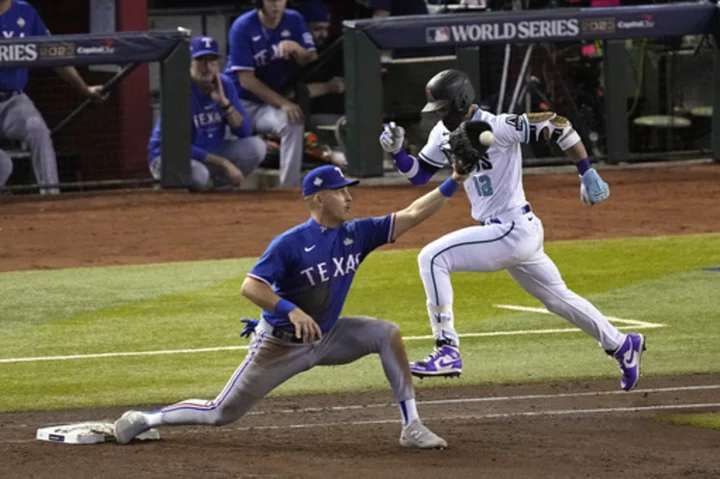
<point>451,92</point>
<point>465,146</point>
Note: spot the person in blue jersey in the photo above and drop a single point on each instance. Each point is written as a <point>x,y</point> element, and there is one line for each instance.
<point>215,160</point>
<point>19,118</point>
<point>301,283</point>
<point>267,45</point>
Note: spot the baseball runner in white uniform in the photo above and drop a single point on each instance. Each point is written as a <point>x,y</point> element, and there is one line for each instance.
<point>509,235</point>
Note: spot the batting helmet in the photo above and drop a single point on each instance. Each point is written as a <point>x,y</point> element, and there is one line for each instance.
<point>449,89</point>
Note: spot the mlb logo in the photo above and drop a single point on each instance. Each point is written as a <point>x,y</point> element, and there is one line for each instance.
<point>437,34</point>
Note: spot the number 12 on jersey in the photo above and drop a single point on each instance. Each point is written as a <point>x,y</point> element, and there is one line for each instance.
<point>483,185</point>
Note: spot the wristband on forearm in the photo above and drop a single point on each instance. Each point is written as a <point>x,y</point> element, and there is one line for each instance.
<point>284,307</point>
<point>448,187</point>
<point>583,165</point>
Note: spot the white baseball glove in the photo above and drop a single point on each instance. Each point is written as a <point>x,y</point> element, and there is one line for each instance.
<point>392,138</point>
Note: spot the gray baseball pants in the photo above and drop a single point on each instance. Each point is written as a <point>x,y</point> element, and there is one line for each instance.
<point>268,119</point>
<point>271,361</point>
<point>245,153</point>
<point>21,121</point>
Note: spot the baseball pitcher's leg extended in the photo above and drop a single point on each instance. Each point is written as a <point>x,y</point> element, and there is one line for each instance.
<point>540,277</point>
<point>269,363</point>
<point>477,249</point>
<point>354,337</point>
<point>268,119</point>
<point>22,121</point>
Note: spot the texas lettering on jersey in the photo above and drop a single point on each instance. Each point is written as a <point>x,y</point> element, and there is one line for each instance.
<point>342,266</point>
<point>207,119</point>
<point>313,266</point>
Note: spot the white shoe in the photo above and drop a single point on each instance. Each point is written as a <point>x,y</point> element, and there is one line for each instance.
<point>417,435</point>
<point>129,426</point>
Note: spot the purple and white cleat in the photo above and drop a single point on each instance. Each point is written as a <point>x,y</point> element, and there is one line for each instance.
<point>444,361</point>
<point>628,356</point>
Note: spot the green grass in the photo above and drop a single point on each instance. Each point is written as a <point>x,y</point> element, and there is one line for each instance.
<point>707,421</point>
<point>197,305</point>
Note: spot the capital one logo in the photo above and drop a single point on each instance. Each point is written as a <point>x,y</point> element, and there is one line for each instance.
<point>646,21</point>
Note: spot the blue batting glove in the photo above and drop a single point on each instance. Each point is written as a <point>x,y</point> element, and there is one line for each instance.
<point>593,189</point>
<point>250,325</point>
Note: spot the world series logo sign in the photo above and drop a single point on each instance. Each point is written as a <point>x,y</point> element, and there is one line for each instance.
<point>478,32</point>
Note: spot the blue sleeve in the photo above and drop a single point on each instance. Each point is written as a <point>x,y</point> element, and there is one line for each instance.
<point>198,153</point>
<point>38,27</point>
<point>241,57</point>
<point>154,143</point>
<point>374,232</point>
<point>154,149</point>
<point>273,264</point>
<point>416,170</point>
<point>301,34</point>
<point>246,128</point>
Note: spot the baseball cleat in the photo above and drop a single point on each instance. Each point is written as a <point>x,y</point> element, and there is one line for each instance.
<point>628,356</point>
<point>129,426</point>
<point>444,361</point>
<point>417,435</point>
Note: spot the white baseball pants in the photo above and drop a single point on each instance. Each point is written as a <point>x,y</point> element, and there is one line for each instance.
<point>515,245</point>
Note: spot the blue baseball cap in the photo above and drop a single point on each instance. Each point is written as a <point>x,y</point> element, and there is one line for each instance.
<point>326,177</point>
<point>314,11</point>
<point>200,46</point>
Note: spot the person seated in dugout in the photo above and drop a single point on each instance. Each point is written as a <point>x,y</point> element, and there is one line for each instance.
<point>217,160</point>
<point>267,44</point>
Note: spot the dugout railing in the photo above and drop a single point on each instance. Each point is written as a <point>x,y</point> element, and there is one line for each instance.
<point>366,41</point>
<point>170,49</point>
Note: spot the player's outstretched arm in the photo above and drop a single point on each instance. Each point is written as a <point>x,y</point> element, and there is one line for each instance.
<point>264,297</point>
<point>426,206</point>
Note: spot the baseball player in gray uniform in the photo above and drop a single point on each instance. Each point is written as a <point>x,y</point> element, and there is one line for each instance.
<point>266,45</point>
<point>19,119</point>
<point>301,283</point>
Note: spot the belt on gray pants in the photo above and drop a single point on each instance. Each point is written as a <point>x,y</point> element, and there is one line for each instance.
<point>281,333</point>
<point>5,95</point>
<point>523,211</point>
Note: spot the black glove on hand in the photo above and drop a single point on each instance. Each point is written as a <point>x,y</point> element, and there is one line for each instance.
<point>465,145</point>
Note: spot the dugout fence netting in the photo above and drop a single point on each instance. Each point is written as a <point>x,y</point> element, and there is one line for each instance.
<point>99,144</point>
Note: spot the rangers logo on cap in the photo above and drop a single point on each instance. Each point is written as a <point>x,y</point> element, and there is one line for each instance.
<point>429,96</point>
